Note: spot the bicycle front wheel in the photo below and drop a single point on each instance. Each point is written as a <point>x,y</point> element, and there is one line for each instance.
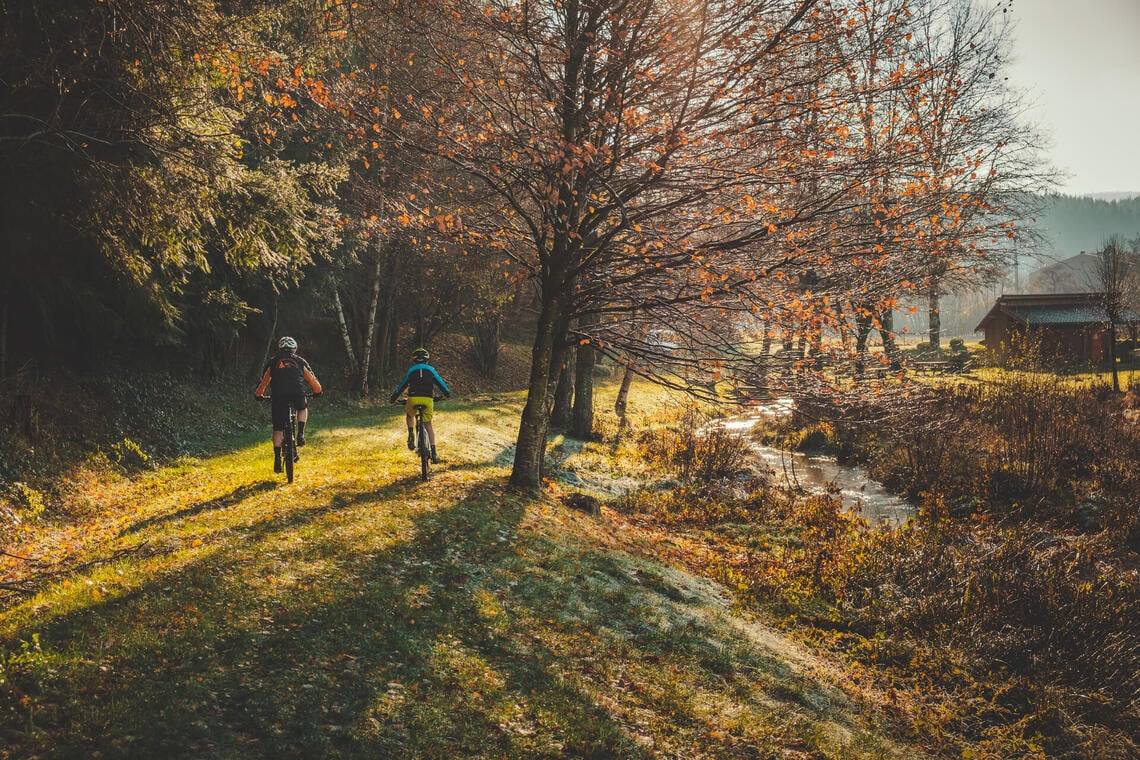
<point>289,447</point>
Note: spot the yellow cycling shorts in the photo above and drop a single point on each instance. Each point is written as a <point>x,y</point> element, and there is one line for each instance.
<point>414,401</point>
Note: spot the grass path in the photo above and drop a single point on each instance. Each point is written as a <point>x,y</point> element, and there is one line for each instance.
<point>207,609</point>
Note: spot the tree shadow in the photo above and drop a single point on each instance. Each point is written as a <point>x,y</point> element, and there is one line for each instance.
<point>233,498</point>
<point>314,635</point>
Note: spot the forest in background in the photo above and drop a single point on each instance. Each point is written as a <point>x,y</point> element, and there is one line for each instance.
<point>1074,225</point>
<point>190,180</point>
<point>706,207</point>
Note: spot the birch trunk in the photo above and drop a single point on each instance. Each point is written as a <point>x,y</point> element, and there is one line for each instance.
<point>342,323</point>
<point>370,333</point>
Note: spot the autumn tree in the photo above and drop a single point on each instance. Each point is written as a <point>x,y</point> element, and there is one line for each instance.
<point>980,167</point>
<point>957,165</point>
<point>142,198</point>
<point>1115,276</point>
<point>696,168</point>
<point>599,124</point>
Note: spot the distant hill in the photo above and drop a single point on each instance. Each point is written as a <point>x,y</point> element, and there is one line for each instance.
<point>1113,196</point>
<point>1072,275</point>
<point>1073,225</point>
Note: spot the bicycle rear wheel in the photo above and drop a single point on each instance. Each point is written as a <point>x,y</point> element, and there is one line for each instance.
<point>289,449</point>
<point>424,450</point>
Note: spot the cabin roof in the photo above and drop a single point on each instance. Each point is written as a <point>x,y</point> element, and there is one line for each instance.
<point>1052,309</point>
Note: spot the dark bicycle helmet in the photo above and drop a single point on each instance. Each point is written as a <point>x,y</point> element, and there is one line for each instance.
<point>421,355</point>
<point>287,343</point>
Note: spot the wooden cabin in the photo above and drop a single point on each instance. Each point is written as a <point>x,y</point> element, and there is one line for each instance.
<point>1071,325</point>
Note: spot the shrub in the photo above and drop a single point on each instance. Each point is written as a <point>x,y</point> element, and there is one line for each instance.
<point>1013,632</point>
<point>18,504</point>
<point>1024,439</point>
<point>28,501</point>
<point>129,455</point>
<point>924,351</point>
<point>1029,610</point>
<point>695,448</point>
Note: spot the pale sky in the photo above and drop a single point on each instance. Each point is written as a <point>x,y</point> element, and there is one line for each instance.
<point>1080,62</point>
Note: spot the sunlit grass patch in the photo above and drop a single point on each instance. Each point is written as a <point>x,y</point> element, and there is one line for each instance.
<point>210,609</point>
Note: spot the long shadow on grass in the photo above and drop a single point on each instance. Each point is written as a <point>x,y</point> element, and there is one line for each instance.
<point>233,498</point>
<point>450,635</point>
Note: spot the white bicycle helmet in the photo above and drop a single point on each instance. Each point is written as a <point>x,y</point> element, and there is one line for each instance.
<point>287,343</point>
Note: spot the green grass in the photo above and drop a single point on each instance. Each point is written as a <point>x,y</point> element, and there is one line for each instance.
<point>207,609</point>
<point>1127,377</point>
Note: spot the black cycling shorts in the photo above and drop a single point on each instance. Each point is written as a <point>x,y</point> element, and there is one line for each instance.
<point>280,413</point>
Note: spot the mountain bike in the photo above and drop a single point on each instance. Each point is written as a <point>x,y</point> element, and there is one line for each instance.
<point>422,444</point>
<point>289,453</point>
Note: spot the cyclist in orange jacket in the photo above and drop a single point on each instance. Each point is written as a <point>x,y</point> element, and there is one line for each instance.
<point>286,375</point>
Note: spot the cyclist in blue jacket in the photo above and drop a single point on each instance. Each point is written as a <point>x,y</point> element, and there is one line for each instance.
<point>421,380</point>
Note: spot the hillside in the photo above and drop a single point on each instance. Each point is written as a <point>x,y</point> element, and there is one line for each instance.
<point>1073,225</point>
<point>205,609</point>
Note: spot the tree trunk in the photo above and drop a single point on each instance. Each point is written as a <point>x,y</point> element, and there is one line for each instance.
<point>863,322</point>
<point>621,404</point>
<point>370,332</point>
<point>530,447</point>
<point>342,323</point>
<point>563,393</point>
<point>935,317</point>
<point>1112,356</point>
<point>387,329</point>
<point>421,328</point>
<point>762,385</point>
<point>887,330</point>
<point>271,345</point>
<point>387,357</point>
<point>486,342</point>
<point>582,418</point>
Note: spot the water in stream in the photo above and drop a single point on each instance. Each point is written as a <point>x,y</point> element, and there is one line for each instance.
<point>820,474</point>
<point>817,474</point>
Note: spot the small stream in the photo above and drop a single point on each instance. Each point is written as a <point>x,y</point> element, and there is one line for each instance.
<point>822,474</point>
